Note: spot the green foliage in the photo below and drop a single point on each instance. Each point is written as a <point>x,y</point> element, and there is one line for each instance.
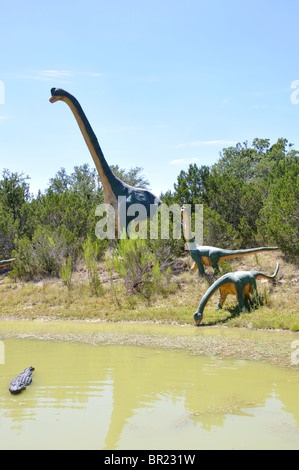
<point>250,196</point>
<point>140,269</point>
<point>91,254</point>
<point>279,217</point>
<point>66,272</point>
<point>133,177</point>
<point>218,232</point>
<point>134,262</point>
<point>42,256</point>
<point>191,186</point>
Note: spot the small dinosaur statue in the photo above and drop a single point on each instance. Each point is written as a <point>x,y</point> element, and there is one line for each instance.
<point>20,383</point>
<point>113,187</point>
<point>6,262</point>
<point>239,283</point>
<point>210,255</point>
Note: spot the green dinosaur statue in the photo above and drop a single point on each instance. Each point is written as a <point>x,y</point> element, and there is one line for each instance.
<point>6,262</point>
<point>113,187</point>
<point>210,255</point>
<point>239,283</point>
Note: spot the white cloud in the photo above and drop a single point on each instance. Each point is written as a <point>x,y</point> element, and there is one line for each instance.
<point>183,161</point>
<point>201,143</point>
<point>47,75</point>
<point>61,75</point>
<point>56,73</point>
<point>93,74</point>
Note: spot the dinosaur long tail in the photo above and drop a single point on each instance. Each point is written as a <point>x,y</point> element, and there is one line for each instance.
<point>250,251</point>
<point>6,262</point>
<point>266,276</point>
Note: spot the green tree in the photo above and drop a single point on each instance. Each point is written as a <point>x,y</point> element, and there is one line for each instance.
<point>191,185</point>
<point>279,217</point>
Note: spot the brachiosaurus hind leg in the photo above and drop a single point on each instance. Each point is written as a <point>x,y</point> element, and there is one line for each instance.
<point>194,266</point>
<point>214,262</point>
<point>240,296</point>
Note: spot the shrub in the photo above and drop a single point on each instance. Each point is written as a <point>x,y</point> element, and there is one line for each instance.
<point>91,254</point>
<point>138,265</point>
<point>66,273</point>
<point>43,256</point>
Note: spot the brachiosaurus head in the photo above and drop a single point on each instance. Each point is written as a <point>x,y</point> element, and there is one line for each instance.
<point>58,94</point>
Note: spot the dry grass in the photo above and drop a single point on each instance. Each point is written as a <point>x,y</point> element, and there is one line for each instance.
<point>50,298</point>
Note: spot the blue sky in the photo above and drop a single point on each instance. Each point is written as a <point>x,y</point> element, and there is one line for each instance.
<point>163,83</point>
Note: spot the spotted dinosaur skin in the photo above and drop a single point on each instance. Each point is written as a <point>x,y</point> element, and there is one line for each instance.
<point>20,383</point>
<point>118,194</point>
<point>211,255</point>
<point>239,283</point>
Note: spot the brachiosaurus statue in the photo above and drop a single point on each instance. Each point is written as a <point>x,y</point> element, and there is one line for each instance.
<point>113,187</point>
<point>239,283</point>
<point>210,255</point>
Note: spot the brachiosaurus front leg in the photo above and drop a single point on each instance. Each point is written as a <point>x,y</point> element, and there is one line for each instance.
<point>197,260</point>
<point>222,298</point>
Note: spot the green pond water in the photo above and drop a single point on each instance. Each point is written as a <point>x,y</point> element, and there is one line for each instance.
<point>89,394</point>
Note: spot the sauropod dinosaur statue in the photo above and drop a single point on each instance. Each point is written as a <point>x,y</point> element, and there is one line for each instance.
<point>6,262</point>
<point>239,283</point>
<point>211,255</point>
<point>113,187</point>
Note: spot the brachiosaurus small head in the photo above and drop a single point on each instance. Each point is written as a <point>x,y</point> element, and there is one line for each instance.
<point>58,94</point>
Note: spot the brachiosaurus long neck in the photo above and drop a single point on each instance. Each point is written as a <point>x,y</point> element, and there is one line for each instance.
<point>208,294</point>
<point>109,180</point>
<point>187,231</point>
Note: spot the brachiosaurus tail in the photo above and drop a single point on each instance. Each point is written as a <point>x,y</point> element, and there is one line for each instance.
<point>266,276</point>
<point>250,251</point>
<point>6,262</point>
<point>206,297</point>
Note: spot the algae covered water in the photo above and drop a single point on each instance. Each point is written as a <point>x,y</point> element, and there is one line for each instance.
<point>103,396</point>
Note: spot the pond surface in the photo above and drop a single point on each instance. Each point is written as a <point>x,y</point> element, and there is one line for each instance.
<point>103,396</point>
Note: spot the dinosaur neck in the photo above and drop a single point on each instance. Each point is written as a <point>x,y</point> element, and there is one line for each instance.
<point>212,289</point>
<point>111,184</point>
<point>187,231</point>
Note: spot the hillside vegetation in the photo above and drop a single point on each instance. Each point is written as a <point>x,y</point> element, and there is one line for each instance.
<point>250,198</point>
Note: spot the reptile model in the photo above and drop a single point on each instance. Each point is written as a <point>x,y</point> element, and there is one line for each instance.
<point>7,262</point>
<point>113,187</point>
<point>20,383</point>
<point>239,283</point>
<point>211,255</point>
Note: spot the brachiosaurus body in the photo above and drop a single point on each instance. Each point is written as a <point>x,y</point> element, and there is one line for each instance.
<point>239,283</point>
<point>211,255</point>
<point>113,187</point>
